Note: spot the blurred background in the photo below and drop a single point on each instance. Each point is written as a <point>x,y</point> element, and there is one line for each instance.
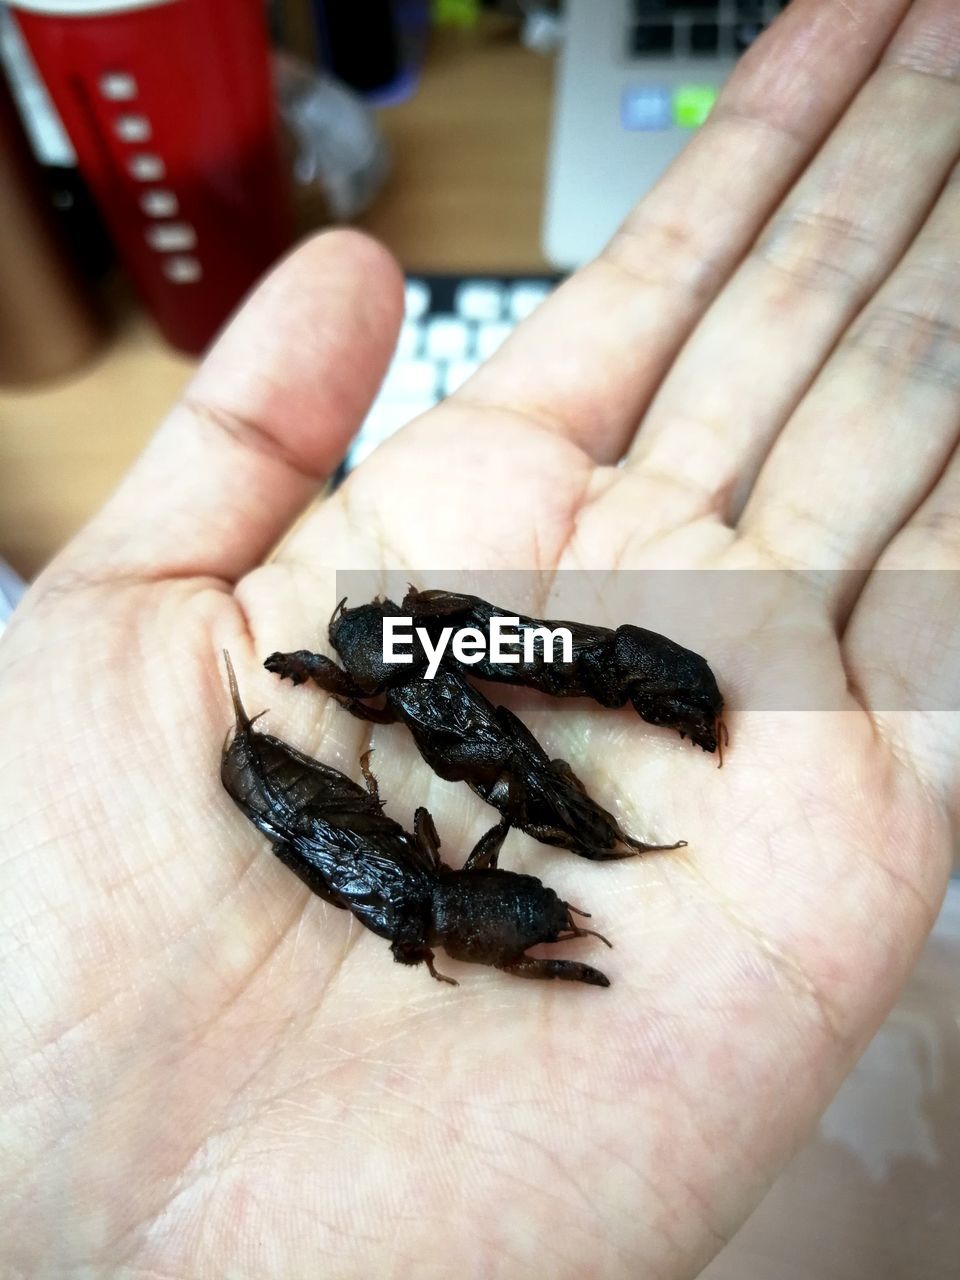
<point>156,156</point>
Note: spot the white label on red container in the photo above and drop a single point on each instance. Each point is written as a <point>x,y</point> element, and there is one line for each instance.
<point>84,8</point>
<point>48,138</point>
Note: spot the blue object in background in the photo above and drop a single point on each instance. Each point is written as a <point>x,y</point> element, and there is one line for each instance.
<point>646,107</point>
<point>11,590</point>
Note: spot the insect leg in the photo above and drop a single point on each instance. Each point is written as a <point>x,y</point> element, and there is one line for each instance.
<point>303,665</point>
<point>425,834</point>
<point>640,847</point>
<point>486,851</point>
<point>368,776</point>
<point>440,977</point>
<point>434,604</point>
<point>563,768</point>
<point>376,715</point>
<point>409,953</point>
<point>324,672</point>
<point>568,970</point>
<point>506,793</point>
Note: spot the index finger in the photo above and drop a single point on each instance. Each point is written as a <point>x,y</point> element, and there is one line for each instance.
<point>588,362</point>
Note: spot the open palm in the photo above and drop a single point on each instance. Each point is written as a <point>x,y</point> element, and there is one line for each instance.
<point>207,1071</point>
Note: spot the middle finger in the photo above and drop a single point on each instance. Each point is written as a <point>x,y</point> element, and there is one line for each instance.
<point>879,425</point>
<point>587,363</point>
<point>824,253</point>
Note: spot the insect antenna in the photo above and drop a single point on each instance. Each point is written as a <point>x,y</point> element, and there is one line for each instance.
<point>723,739</point>
<point>577,932</point>
<point>592,933</point>
<point>244,722</point>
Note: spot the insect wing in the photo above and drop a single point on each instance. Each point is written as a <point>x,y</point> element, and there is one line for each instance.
<point>375,886</point>
<point>303,787</point>
<point>554,794</point>
<point>446,713</point>
<point>521,738</point>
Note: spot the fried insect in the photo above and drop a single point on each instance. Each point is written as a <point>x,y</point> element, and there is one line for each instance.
<point>464,738</point>
<point>666,684</point>
<point>335,836</point>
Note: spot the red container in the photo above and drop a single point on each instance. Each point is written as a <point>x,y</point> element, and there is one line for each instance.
<point>169,105</point>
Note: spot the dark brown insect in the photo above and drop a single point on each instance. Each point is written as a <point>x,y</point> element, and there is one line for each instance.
<point>666,684</point>
<point>465,738</point>
<point>335,836</point>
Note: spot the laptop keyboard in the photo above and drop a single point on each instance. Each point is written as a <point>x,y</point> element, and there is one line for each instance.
<point>452,324</point>
<point>697,28</point>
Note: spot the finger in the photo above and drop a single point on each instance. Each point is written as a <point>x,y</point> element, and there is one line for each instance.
<point>827,249</point>
<point>265,420</point>
<point>586,364</point>
<point>904,636</point>
<point>879,425</point>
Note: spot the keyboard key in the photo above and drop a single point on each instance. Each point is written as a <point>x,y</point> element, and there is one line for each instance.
<point>480,300</point>
<point>643,8</point>
<point>456,374</point>
<point>426,365</point>
<point>410,340</point>
<point>526,296</point>
<point>490,337</point>
<point>744,34</point>
<point>416,299</point>
<point>651,40</point>
<point>645,108</point>
<point>447,338</point>
<point>692,103</point>
<point>410,380</point>
<point>750,14</point>
<point>704,38</point>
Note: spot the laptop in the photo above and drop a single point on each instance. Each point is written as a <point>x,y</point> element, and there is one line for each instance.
<point>636,77</point>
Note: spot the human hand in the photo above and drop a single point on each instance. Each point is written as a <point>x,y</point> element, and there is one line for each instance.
<point>209,1072</point>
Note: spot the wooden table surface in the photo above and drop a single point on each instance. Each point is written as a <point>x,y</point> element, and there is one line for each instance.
<point>469,152</point>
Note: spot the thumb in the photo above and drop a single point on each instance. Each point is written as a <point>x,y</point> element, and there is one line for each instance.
<point>263,423</point>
